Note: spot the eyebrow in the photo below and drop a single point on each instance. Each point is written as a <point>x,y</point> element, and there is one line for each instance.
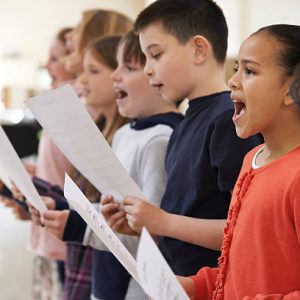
<point>151,46</point>
<point>248,61</point>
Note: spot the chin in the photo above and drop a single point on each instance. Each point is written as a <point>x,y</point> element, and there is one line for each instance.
<point>244,134</point>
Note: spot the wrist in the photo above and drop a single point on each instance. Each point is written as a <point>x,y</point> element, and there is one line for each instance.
<point>164,222</point>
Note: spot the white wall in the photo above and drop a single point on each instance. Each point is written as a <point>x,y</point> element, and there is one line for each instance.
<point>246,16</point>
<point>27,27</point>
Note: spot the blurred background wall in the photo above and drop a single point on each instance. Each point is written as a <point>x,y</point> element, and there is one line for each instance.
<point>27,27</point>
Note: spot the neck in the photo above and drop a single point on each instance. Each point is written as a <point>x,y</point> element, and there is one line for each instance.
<point>284,139</point>
<point>109,114</point>
<point>164,109</point>
<point>94,112</point>
<point>159,107</point>
<point>209,84</point>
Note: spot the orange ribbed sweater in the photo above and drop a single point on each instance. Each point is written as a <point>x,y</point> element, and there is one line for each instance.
<point>261,247</point>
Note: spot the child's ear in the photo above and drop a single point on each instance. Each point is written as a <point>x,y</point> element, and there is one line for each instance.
<point>287,99</point>
<point>201,48</point>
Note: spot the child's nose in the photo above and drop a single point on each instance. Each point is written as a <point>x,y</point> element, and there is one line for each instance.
<point>115,75</point>
<point>148,70</point>
<point>82,78</point>
<point>233,82</point>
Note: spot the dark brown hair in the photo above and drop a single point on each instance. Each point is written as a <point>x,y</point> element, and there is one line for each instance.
<point>288,39</point>
<point>185,19</point>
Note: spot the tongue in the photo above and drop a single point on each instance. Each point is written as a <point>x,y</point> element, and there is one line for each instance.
<point>239,108</point>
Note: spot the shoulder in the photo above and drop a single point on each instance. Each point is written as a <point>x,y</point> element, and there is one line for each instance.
<point>155,134</point>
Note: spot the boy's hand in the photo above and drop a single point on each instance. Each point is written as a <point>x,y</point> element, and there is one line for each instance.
<point>55,221</point>
<point>140,213</point>
<point>115,216</point>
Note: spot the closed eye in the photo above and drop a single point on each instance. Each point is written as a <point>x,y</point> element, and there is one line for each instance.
<point>156,55</point>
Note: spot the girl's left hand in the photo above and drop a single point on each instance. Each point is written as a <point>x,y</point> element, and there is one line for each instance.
<point>55,221</point>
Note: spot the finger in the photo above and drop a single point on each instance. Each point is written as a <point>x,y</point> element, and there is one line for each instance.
<point>50,215</point>
<point>131,200</point>
<point>49,202</point>
<point>110,208</point>
<point>129,218</point>
<point>115,217</point>
<point>34,211</point>
<point>131,225</point>
<point>129,209</point>
<point>36,221</point>
<point>118,224</point>
<point>49,224</point>
<point>106,199</point>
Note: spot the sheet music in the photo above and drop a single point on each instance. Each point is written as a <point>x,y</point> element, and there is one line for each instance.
<point>98,224</point>
<point>63,116</point>
<point>4,177</point>
<point>15,171</point>
<point>156,277</point>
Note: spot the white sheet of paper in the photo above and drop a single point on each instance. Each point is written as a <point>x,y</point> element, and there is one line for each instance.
<point>98,224</point>
<point>4,177</point>
<point>63,116</point>
<point>156,277</point>
<point>16,172</point>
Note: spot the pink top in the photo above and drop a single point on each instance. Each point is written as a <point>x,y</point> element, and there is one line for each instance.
<point>261,246</point>
<point>51,166</point>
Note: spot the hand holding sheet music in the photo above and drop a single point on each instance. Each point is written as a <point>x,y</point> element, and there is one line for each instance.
<point>98,224</point>
<point>150,270</point>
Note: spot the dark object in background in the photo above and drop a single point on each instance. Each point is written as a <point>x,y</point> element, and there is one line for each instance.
<point>24,137</point>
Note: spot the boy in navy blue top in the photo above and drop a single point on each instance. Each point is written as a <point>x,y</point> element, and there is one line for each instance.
<point>185,43</point>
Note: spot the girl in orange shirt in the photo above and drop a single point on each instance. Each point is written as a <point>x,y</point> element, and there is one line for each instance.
<point>261,247</point>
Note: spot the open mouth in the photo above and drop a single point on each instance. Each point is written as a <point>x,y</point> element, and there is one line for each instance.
<point>121,94</point>
<point>239,109</point>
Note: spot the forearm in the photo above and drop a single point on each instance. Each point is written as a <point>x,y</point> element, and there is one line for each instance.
<point>202,232</point>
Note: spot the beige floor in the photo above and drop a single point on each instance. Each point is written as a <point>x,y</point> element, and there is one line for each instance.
<point>15,261</point>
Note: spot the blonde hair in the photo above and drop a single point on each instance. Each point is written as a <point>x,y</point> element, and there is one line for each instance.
<point>97,23</point>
